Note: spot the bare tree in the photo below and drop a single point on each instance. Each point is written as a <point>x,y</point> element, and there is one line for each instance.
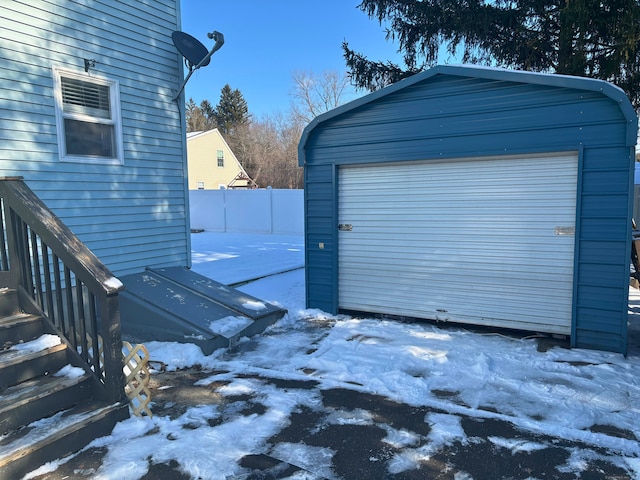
<point>290,131</point>
<point>267,149</point>
<point>313,94</point>
<point>242,146</point>
<point>260,148</point>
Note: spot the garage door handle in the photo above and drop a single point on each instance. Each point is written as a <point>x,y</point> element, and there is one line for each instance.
<point>345,227</point>
<point>564,230</point>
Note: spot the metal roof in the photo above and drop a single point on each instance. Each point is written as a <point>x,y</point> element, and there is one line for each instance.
<point>615,93</point>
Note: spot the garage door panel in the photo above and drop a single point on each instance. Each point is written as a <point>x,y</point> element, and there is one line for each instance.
<point>479,241</point>
<point>449,300</point>
<point>535,279</point>
<point>448,172</point>
<point>437,282</point>
<point>477,270</point>
<point>511,318</point>
<point>500,245</point>
<point>502,256</point>
<point>454,192</point>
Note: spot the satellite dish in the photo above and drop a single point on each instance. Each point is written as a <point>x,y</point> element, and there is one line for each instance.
<point>195,53</point>
<point>191,49</point>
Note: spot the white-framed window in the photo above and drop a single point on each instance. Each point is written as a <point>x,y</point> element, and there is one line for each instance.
<point>87,117</point>
<point>200,185</point>
<point>220,157</point>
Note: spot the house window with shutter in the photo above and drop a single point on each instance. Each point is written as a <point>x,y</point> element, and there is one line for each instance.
<point>220,158</point>
<point>88,118</point>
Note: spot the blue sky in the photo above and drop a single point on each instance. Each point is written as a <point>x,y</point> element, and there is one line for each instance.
<point>266,41</point>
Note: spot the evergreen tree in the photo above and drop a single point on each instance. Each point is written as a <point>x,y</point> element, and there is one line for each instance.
<point>199,119</point>
<point>209,114</point>
<point>593,38</point>
<point>232,111</point>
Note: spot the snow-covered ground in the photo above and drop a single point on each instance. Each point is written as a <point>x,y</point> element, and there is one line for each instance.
<point>584,402</point>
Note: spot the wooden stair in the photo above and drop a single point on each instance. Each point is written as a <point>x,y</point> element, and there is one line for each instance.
<point>48,407</point>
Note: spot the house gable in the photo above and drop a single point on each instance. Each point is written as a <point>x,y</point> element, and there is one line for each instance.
<point>212,164</point>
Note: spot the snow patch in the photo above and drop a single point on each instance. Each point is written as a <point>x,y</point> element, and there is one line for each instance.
<point>445,430</point>
<point>229,326</point>
<point>400,438</point>
<point>253,305</point>
<point>70,371</point>
<point>41,343</point>
<point>354,417</point>
<point>113,283</point>
<point>517,445</point>
<point>315,459</point>
<point>174,356</point>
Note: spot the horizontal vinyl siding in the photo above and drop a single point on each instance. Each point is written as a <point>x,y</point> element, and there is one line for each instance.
<point>203,161</point>
<point>132,215</point>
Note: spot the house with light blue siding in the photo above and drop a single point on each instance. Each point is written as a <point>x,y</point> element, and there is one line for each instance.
<point>88,119</point>
<point>476,196</point>
<point>94,217</point>
<point>92,190</point>
<point>92,118</point>
<point>95,237</point>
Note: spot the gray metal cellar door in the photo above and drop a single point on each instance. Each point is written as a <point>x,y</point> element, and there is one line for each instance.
<point>178,305</point>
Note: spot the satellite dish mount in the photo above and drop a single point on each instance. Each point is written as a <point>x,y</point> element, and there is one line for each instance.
<point>195,53</point>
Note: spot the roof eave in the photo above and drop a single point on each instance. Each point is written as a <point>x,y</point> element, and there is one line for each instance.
<point>548,79</point>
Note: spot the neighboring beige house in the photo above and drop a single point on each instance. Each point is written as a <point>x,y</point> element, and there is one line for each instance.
<point>212,164</point>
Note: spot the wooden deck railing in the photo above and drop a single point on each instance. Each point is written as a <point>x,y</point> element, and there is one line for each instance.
<point>58,276</point>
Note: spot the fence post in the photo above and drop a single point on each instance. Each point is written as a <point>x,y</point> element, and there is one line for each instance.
<point>270,209</point>
<point>224,210</point>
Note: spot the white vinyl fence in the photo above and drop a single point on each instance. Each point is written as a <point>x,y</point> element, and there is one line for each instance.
<point>248,211</point>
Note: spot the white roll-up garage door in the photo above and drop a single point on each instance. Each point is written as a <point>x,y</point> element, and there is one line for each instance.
<point>488,241</point>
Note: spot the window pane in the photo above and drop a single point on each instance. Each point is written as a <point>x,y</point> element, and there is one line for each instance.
<point>89,139</point>
<point>84,97</point>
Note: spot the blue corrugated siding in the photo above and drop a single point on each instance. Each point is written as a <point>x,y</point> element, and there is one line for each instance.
<point>454,116</point>
<point>320,223</point>
<point>602,266</point>
<point>132,215</point>
<point>431,128</point>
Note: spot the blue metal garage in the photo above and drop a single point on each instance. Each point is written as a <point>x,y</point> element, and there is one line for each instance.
<point>479,196</point>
